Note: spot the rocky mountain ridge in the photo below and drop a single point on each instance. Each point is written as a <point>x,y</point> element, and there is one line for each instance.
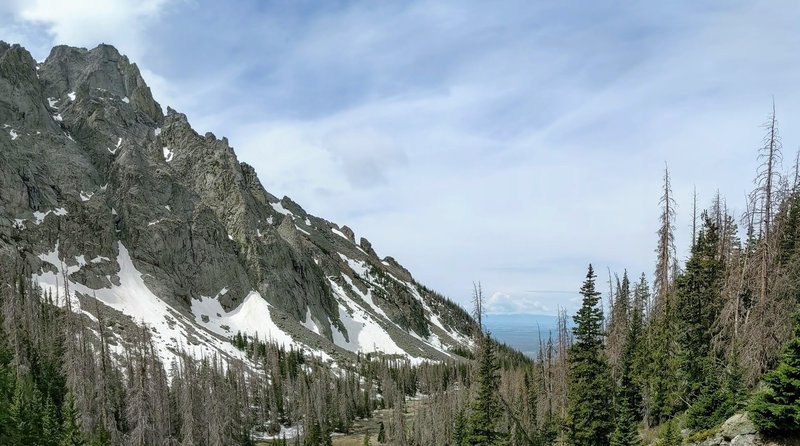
<point>104,193</point>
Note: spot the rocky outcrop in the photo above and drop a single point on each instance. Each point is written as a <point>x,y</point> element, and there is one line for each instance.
<point>89,163</point>
<point>738,430</point>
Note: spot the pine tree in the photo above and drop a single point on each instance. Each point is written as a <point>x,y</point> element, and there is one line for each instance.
<point>459,429</point>
<point>590,384</point>
<point>618,323</point>
<point>635,349</point>
<point>712,406</point>
<point>628,396</point>
<point>776,409</point>
<point>26,412</point>
<point>625,431</point>
<point>698,291</point>
<point>486,410</point>
<point>70,430</point>
<point>50,428</point>
<point>662,391</point>
<point>670,436</point>
<point>381,433</point>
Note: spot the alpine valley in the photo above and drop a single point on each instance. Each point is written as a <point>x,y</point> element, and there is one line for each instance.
<point>152,292</point>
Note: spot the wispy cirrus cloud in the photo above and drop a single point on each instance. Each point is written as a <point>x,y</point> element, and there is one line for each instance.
<point>506,142</point>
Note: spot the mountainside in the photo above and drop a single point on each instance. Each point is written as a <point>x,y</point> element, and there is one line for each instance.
<point>104,193</point>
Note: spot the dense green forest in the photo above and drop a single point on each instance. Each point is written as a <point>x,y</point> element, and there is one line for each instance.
<point>714,335</point>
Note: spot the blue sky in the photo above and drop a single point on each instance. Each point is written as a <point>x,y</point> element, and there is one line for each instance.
<point>510,142</point>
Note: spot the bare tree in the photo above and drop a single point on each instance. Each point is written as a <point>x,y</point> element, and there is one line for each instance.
<point>477,305</point>
<point>694,215</point>
<point>666,263</point>
<point>767,178</point>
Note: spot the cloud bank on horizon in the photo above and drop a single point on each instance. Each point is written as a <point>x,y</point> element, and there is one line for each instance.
<point>507,142</point>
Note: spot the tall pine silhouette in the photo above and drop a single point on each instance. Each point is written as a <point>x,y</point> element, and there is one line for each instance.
<point>590,384</point>
<point>486,409</point>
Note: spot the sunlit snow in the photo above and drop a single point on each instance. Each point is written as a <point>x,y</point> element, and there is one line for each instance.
<point>280,209</point>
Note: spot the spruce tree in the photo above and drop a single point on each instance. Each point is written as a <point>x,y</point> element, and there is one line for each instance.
<point>590,385</point>
<point>381,433</point>
<point>776,410</point>
<point>459,429</point>
<point>486,410</point>
<point>670,435</point>
<point>50,427</point>
<point>698,291</point>
<point>625,431</point>
<point>628,396</point>
<point>660,370</point>
<point>26,412</point>
<point>70,429</point>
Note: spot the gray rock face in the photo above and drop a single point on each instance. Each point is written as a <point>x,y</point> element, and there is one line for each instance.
<point>738,430</point>
<point>89,162</point>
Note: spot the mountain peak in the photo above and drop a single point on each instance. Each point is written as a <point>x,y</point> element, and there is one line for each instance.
<point>99,72</point>
<point>93,170</point>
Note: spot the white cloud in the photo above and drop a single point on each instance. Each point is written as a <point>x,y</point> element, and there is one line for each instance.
<point>89,22</point>
<point>504,303</point>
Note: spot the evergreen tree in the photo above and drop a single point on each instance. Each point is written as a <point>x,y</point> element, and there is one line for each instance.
<point>26,413</point>
<point>50,427</point>
<point>634,355</point>
<point>459,429</point>
<point>698,291</point>
<point>71,430</point>
<point>532,402</point>
<point>625,431</point>
<point>776,409</point>
<point>628,396</point>
<point>670,436</point>
<point>381,433</point>
<point>713,405</point>
<point>590,385</point>
<point>661,366</point>
<point>486,410</point>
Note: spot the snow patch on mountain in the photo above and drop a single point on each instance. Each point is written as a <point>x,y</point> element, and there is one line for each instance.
<point>309,323</point>
<point>358,267</point>
<point>40,216</point>
<point>169,329</point>
<point>364,334</point>
<point>251,317</point>
<point>280,209</point>
<point>339,233</point>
